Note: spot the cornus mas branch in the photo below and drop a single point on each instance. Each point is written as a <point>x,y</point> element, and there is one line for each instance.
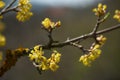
<point>58,45</point>
<point>80,38</point>
<point>13,55</point>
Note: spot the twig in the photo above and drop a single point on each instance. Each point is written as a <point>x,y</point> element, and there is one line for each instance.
<point>97,25</point>
<point>50,38</point>
<point>79,46</point>
<point>10,5</point>
<point>8,8</point>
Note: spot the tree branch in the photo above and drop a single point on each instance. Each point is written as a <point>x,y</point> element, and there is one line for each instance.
<point>80,38</point>
<point>10,5</point>
<point>8,8</point>
<point>13,55</point>
<point>11,58</point>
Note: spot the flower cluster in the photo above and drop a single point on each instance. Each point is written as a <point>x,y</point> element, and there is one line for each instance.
<point>37,55</point>
<point>24,13</point>
<point>94,53</point>
<point>53,60</point>
<point>100,10</point>
<point>48,24</point>
<point>2,4</point>
<point>117,15</point>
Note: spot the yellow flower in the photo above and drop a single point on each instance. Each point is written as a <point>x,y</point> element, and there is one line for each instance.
<point>101,39</point>
<point>53,66</point>
<point>53,60</point>
<point>100,10</point>
<point>43,66</point>
<point>2,4</point>
<point>48,24</point>
<point>37,55</point>
<point>87,59</point>
<point>2,40</point>
<point>24,12</point>
<point>117,15</point>
<point>56,56</point>
<point>22,2</point>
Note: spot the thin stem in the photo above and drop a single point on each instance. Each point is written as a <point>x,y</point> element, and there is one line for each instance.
<point>79,46</point>
<point>50,39</point>
<point>97,25</point>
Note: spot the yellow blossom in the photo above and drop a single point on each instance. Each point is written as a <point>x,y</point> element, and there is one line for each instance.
<point>56,56</point>
<point>101,39</point>
<point>22,2</point>
<point>48,24</point>
<point>53,66</point>
<point>53,60</point>
<point>87,59</point>
<point>2,40</point>
<point>24,12</point>
<point>100,10</point>
<point>2,4</point>
<point>37,55</point>
<point>94,53</point>
<point>117,15</point>
<point>43,66</point>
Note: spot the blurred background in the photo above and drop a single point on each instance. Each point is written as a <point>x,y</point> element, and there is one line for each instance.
<point>77,18</point>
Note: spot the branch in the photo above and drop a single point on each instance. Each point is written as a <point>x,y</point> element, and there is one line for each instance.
<point>80,38</point>
<point>12,56</point>
<point>97,25</point>
<point>8,8</point>
<point>10,5</point>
